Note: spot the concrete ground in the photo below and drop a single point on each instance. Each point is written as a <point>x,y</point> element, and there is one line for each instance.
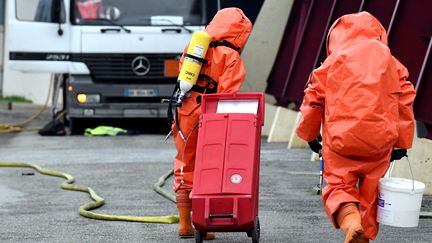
<point>123,170</point>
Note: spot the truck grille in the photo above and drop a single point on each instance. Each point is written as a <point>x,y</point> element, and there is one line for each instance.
<point>117,68</point>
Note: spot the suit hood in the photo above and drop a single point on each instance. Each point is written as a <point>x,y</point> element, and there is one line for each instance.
<point>230,24</point>
<point>351,28</point>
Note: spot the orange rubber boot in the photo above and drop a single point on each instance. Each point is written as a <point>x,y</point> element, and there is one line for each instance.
<point>210,236</point>
<point>184,206</point>
<point>349,220</point>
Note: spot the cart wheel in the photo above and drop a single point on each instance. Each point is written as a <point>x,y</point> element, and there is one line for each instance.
<point>198,236</point>
<point>256,232</point>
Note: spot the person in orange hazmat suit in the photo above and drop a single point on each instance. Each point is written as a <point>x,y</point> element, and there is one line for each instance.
<point>90,9</point>
<point>223,72</point>
<point>361,97</point>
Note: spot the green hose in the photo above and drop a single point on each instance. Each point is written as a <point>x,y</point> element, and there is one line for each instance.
<point>426,215</point>
<point>157,187</point>
<point>99,201</point>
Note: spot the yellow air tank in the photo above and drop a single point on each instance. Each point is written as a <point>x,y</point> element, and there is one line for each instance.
<point>192,62</point>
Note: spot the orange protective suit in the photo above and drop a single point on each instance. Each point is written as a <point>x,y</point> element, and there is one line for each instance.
<point>224,66</point>
<point>361,97</point>
<point>90,9</point>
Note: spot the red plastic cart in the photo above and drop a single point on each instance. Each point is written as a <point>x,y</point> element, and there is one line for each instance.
<point>226,178</point>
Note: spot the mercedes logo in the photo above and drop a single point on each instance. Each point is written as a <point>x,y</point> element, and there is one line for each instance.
<point>140,65</point>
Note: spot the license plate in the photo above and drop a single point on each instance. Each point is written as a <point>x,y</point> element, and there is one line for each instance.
<point>140,92</point>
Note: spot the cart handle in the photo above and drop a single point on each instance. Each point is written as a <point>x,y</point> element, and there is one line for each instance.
<point>218,216</point>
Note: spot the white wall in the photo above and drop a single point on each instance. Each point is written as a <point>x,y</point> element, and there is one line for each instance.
<point>31,86</point>
<point>262,46</point>
<point>261,49</point>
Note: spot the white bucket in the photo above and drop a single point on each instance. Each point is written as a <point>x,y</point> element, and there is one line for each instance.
<point>399,201</point>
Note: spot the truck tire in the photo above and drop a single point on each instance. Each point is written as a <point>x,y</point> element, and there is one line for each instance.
<point>76,126</point>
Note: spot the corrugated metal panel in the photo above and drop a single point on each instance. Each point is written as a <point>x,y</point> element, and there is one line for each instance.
<point>409,25</point>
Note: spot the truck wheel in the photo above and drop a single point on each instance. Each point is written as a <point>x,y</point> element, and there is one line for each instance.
<point>256,232</point>
<point>76,126</point>
<point>198,236</point>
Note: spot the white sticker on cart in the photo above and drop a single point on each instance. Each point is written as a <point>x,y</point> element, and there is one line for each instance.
<point>237,106</point>
<point>236,178</point>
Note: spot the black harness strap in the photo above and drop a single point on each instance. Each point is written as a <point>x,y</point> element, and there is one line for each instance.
<point>226,43</point>
<point>170,115</point>
<point>209,88</point>
<point>199,59</point>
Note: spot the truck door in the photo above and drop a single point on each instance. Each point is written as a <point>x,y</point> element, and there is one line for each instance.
<point>38,36</point>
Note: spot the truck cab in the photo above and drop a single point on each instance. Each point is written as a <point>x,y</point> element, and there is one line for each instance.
<point>118,58</point>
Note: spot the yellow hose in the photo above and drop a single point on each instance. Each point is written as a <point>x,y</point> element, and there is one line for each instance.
<point>99,201</point>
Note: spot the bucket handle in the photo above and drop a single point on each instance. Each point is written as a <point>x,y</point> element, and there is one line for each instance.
<point>412,175</point>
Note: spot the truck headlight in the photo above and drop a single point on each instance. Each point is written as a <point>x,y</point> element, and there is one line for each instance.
<point>88,98</point>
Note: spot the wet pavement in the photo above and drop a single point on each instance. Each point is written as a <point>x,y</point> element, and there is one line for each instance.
<point>123,170</point>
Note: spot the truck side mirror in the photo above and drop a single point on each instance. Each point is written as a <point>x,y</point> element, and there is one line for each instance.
<point>56,14</point>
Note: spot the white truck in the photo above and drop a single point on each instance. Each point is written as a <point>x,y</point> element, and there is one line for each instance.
<point>117,58</point>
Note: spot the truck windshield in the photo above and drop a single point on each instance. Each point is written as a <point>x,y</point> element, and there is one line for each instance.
<point>139,12</point>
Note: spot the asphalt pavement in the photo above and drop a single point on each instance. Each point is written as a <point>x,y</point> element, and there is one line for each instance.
<point>123,170</point>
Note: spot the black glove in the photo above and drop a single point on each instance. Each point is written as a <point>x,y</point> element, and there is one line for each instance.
<point>398,154</point>
<point>315,145</point>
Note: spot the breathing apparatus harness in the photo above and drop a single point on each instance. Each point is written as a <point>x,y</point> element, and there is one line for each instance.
<point>226,43</point>
<point>210,87</point>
